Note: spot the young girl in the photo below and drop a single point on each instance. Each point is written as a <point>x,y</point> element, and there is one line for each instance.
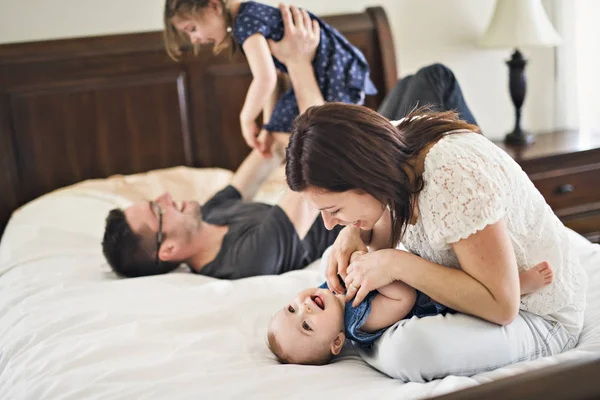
<point>340,68</point>
<point>314,326</point>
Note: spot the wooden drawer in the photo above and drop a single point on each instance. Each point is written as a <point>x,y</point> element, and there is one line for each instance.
<point>565,168</point>
<point>570,189</point>
<point>587,224</point>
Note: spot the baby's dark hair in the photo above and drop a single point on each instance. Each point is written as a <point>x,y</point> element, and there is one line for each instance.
<point>174,40</point>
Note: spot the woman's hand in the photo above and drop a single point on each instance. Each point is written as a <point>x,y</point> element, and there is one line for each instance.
<point>347,243</point>
<point>300,37</point>
<point>369,272</point>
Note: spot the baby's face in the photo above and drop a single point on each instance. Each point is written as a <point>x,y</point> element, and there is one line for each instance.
<point>310,322</point>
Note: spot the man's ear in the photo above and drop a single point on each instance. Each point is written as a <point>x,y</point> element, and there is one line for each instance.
<point>338,343</point>
<point>169,251</point>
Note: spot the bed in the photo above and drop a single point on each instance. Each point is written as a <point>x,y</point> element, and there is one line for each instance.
<point>73,113</point>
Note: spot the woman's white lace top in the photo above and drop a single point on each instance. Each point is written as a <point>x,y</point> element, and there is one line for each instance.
<point>470,183</point>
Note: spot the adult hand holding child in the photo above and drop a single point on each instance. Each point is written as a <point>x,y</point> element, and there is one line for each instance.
<point>347,244</point>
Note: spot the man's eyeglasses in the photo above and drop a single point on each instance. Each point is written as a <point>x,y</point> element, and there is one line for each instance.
<point>159,235</point>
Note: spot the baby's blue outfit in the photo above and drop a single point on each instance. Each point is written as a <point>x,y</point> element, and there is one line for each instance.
<point>355,317</point>
<point>341,69</point>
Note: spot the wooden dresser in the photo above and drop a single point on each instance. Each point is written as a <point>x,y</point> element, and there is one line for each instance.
<point>565,167</point>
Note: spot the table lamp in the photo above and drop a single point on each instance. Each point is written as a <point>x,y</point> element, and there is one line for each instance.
<point>517,24</point>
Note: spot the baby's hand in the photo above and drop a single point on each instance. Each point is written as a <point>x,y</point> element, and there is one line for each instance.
<point>249,131</point>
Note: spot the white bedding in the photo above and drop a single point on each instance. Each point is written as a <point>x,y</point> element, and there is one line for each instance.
<point>70,330</point>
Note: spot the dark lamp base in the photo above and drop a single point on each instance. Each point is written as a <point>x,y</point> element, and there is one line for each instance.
<point>519,138</point>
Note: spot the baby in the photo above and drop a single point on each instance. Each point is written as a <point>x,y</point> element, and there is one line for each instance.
<point>314,326</point>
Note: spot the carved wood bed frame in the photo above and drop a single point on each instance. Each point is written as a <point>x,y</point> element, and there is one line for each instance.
<point>88,108</point>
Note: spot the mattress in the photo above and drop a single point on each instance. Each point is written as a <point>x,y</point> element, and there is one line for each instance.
<point>69,329</point>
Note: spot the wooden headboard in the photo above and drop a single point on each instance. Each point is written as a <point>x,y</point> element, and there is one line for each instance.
<point>87,108</point>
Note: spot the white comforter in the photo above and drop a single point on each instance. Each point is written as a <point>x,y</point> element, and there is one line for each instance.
<point>70,330</point>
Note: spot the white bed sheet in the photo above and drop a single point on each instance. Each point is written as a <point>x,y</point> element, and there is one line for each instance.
<point>70,330</point>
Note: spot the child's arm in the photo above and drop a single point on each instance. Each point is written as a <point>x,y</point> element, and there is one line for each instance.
<point>263,84</point>
<point>265,139</point>
<point>271,101</point>
<point>392,303</point>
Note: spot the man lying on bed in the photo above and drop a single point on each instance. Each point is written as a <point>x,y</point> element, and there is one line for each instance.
<point>228,237</point>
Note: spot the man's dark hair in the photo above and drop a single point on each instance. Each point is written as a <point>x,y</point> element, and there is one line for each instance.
<point>127,253</point>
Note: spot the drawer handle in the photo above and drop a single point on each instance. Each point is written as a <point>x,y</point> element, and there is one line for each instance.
<point>564,189</point>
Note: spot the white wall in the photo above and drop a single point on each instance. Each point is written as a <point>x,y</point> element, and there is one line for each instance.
<point>587,62</point>
<point>425,31</point>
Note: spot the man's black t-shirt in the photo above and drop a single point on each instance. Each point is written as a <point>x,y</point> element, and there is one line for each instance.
<point>261,239</point>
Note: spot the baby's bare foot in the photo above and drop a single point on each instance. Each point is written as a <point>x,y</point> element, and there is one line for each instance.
<point>536,278</point>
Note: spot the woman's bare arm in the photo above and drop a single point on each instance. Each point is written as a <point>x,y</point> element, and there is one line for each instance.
<point>263,84</point>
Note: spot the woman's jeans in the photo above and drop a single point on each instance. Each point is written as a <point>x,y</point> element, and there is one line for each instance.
<point>419,350</point>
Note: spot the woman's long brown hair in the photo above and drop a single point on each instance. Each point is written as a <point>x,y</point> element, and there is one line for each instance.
<point>339,147</point>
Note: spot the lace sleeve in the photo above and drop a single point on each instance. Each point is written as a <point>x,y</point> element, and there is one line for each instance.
<point>464,190</point>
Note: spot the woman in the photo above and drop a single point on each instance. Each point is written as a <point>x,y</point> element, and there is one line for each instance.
<point>470,212</point>
<point>455,199</point>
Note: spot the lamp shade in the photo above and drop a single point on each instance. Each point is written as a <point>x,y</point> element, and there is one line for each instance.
<point>520,23</point>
